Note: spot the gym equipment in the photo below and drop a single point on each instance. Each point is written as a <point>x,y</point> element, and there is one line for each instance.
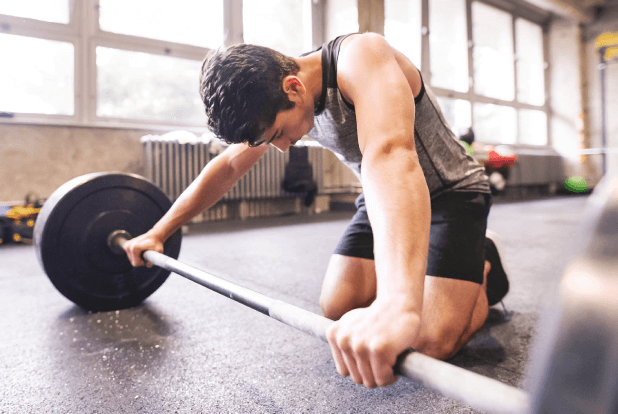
<point>70,238</point>
<point>575,366</point>
<point>78,239</point>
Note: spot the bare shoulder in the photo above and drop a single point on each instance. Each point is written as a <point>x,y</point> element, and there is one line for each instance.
<point>365,46</point>
<point>363,58</point>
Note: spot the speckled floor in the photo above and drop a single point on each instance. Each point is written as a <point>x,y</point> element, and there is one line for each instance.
<point>187,349</point>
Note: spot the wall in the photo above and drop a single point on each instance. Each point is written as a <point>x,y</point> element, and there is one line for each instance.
<point>38,159</point>
<point>341,18</point>
<point>565,97</point>
<point>607,22</point>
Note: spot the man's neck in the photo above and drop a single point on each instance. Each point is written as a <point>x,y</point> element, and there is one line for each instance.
<point>310,74</point>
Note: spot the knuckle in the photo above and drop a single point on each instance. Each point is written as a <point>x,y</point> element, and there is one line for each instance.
<point>360,348</point>
<point>378,348</point>
<point>343,342</point>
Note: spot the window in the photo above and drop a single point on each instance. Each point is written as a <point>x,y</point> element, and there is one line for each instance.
<point>278,24</point>
<point>402,27</point>
<point>532,127</point>
<point>198,23</point>
<point>139,60</point>
<point>55,11</point>
<point>341,18</point>
<point>530,63</point>
<point>448,44</point>
<point>135,85</point>
<point>457,113</point>
<point>494,72</point>
<point>39,81</point>
<point>495,124</point>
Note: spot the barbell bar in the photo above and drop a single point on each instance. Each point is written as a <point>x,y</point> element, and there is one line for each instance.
<point>79,239</point>
<point>450,380</point>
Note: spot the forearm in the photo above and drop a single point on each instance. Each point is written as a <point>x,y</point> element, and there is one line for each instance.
<point>215,180</point>
<point>399,209</point>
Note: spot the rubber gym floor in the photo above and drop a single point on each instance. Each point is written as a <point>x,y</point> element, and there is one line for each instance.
<point>187,349</point>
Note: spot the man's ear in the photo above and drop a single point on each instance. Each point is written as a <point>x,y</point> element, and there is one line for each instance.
<point>293,87</point>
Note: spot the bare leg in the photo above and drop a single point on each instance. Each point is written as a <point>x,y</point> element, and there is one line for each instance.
<point>350,283</point>
<point>453,310</point>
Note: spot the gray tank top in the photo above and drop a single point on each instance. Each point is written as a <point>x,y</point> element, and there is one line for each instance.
<point>445,163</point>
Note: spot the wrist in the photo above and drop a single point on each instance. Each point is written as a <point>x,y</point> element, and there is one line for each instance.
<point>400,301</point>
<point>157,234</point>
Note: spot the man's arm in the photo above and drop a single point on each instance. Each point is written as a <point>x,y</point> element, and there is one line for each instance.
<point>216,179</point>
<point>366,342</point>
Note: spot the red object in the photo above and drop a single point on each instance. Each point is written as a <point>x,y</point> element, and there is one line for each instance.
<point>497,161</point>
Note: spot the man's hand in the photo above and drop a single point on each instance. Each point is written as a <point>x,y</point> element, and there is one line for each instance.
<point>135,247</point>
<point>366,342</point>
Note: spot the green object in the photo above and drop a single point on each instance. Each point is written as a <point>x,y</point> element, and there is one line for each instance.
<point>468,148</point>
<point>576,184</point>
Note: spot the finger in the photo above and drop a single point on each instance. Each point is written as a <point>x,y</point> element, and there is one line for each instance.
<point>363,363</point>
<point>331,333</point>
<point>135,259</point>
<point>349,359</point>
<point>382,366</point>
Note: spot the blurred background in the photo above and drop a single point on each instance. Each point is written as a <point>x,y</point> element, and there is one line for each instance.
<point>111,85</point>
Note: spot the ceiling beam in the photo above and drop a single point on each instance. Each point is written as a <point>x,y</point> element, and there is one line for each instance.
<point>572,9</point>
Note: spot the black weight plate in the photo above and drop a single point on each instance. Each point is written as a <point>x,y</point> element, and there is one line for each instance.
<point>70,238</point>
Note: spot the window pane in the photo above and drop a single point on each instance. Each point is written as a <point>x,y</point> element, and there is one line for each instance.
<point>277,24</point>
<point>402,27</point>
<point>493,52</point>
<point>448,44</point>
<point>55,11</point>
<point>457,113</point>
<point>495,124</point>
<point>39,78</point>
<point>530,63</point>
<point>198,23</point>
<point>341,18</point>
<point>532,127</point>
<point>136,85</point>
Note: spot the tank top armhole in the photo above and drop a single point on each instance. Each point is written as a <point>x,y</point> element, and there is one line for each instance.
<point>336,45</point>
<point>336,48</point>
<point>420,95</point>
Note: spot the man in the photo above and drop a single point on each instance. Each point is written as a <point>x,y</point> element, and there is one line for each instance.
<point>409,272</point>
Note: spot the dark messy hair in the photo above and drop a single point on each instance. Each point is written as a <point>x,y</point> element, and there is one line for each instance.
<point>241,87</point>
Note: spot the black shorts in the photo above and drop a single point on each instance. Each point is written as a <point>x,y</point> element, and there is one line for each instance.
<point>456,241</point>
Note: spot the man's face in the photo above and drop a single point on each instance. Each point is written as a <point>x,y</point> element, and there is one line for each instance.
<point>290,126</point>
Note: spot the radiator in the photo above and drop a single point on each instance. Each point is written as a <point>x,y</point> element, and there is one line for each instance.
<point>172,161</point>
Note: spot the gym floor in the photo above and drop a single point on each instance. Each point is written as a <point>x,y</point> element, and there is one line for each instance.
<point>187,349</point>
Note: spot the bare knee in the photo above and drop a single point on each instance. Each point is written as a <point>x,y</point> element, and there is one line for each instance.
<point>350,283</point>
<point>439,345</point>
<point>333,309</point>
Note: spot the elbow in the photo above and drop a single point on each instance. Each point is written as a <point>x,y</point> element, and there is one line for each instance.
<point>390,154</point>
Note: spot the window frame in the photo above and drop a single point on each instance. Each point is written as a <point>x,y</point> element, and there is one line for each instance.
<point>68,33</point>
<point>84,33</point>
<point>530,14</point>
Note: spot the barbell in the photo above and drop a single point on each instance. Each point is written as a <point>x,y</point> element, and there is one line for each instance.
<point>78,238</point>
